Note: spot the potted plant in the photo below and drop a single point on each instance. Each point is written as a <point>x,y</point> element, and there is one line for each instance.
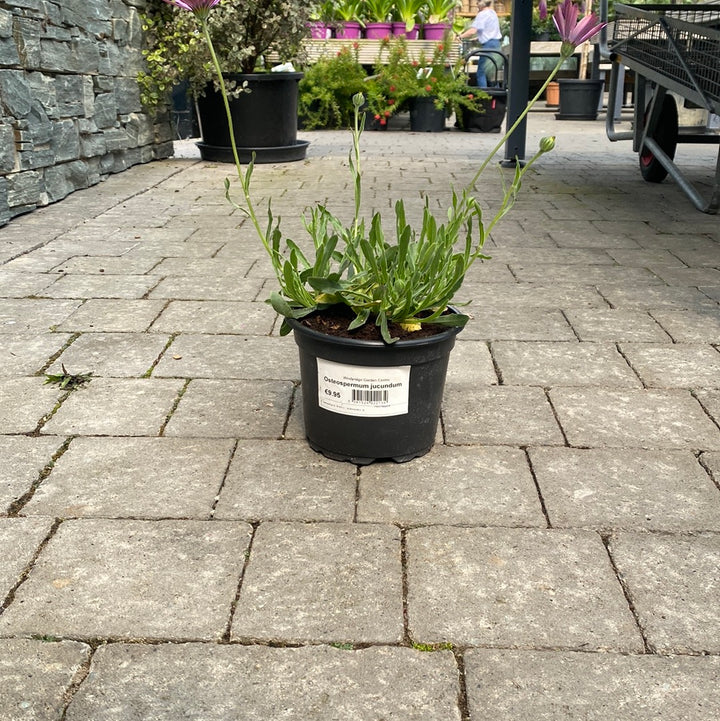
<point>438,14</point>
<point>245,33</point>
<point>349,22</point>
<point>372,315</point>
<point>378,24</point>
<point>327,89</point>
<point>407,15</point>
<point>322,19</point>
<point>430,88</point>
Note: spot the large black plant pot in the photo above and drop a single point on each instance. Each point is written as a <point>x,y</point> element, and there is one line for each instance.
<point>579,99</point>
<point>265,120</point>
<point>365,401</point>
<point>425,117</point>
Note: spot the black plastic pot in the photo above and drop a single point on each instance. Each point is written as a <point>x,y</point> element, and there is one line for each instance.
<point>265,120</point>
<point>425,117</point>
<point>365,401</point>
<point>579,99</point>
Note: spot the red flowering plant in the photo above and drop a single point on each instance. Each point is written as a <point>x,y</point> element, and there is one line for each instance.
<point>409,279</point>
<point>400,76</point>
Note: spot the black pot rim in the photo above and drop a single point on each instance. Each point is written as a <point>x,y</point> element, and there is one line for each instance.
<point>264,77</point>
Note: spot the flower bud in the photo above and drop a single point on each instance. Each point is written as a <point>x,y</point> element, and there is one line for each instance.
<point>547,143</point>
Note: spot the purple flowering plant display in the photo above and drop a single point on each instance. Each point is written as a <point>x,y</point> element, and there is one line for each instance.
<point>409,280</point>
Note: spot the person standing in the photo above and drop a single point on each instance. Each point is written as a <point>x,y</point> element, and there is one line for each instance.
<point>485,27</point>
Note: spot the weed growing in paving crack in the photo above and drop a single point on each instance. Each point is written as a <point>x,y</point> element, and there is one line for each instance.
<point>67,381</point>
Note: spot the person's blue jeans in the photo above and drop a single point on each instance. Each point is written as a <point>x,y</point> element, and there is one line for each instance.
<point>485,65</point>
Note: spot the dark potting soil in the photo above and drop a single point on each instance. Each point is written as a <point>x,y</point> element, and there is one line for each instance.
<point>335,321</point>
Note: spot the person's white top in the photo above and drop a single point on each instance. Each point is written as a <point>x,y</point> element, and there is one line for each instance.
<point>487,25</point>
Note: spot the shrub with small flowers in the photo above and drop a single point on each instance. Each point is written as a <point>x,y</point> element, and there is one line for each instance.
<point>399,77</point>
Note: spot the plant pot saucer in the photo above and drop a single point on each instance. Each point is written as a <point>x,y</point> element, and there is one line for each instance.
<point>572,116</point>
<point>271,154</point>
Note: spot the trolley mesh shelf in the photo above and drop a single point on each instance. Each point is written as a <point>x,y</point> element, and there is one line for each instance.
<point>676,45</point>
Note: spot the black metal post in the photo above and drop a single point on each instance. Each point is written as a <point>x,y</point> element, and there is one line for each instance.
<point>519,83</point>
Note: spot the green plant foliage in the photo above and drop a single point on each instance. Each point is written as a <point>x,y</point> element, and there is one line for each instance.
<point>245,33</point>
<point>326,91</point>
<point>437,11</point>
<point>67,381</point>
<point>378,11</point>
<point>398,78</point>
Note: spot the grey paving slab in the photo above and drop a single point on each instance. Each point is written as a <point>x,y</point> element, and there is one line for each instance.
<point>100,315</point>
<point>24,403</point>
<point>471,362</point>
<point>645,257</point>
<point>672,583</point>
<point>20,539</point>
<point>710,401</point>
<point>687,276</point>
<point>297,484</point>
<point>25,354</point>
<point>499,415</point>
<point>674,366</point>
<point>116,407</point>
<point>531,297</point>
<point>42,260</point>
<point>653,297</point>
<point>257,683</point>
<point>34,315</point>
<point>520,587</point>
<point>626,489</point>
<point>22,460</point>
<point>518,323</point>
<point>131,579</point>
<point>109,265</point>
<point>204,266</point>
<point>189,316</point>
<point>509,685</point>
<point>322,582</point>
<point>609,325</point>
<point>123,286</point>
<point>207,287</point>
<point>583,274</point>
<point>711,461</point>
<point>116,355</point>
<point>562,364</point>
<point>598,417</point>
<point>231,409</point>
<point>477,486</point>
<point>196,355</point>
<point>701,325</point>
<point>36,675</point>
<point>134,477</point>
<point>20,285</point>
<point>711,291</point>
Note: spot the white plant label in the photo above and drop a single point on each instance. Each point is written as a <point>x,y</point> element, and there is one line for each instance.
<point>362,391</point>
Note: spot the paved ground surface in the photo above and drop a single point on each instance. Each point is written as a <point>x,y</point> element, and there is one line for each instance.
<point>172,549</point>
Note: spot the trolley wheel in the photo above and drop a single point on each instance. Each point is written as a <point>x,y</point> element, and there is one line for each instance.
<point>665,135</point>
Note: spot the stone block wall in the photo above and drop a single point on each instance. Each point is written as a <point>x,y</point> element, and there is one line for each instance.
<point>70,111</point>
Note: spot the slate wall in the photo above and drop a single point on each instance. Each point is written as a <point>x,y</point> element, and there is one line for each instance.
<point>70,111</point>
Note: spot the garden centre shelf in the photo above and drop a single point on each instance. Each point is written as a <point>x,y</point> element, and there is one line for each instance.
<point>368,51</point>
<point>671,49</point>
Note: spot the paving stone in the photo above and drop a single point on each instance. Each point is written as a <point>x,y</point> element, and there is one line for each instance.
<point>509,685</point>
<point>134,477</point>
<point>710,401</point>
<point>298,484</point>
<point>701,325</point>
<point>645,257</point>
<point>231,409</point>
<point>326,582</point>
<point>452,486</point>
<point>207,287</point>
<point>675,365</point>
<point>24,402</point>
<point>593,274</point>
<point>26,354</point>
<point>618,489</point>
<point>687,276</point>
<point>229,356</point>
<point>562,364</point>
<point>508,298</point>
<point>19,538</point>
<point>237,267</point>
<point>104,265</point>
<point>579,234</point>
<point>256,683</point>
<point>188,316</point>
<point>672,583</point>
<point>116,355</point>
<point>652,297</point>
<point>20,285</point>
<point>36,675</point>
<point>711,291</point>
<point>116,407</point>
<point>471,362</point>
<point>519,323</point>
<point>113,316</point>
<point>100,286</point>
<point>520,587</point>
<point>711,461</point>
<point>500,415</point>
<point>608,325</point>
<point>131,579</point>
<point>598,417</point>
<point>34,315</point>
<point>22,460</point>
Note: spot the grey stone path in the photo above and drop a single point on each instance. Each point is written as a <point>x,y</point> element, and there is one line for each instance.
<point>172,549</point>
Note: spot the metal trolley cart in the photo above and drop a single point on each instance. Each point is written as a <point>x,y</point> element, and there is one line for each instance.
<point>496,71</point>
<point>670,48</point>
